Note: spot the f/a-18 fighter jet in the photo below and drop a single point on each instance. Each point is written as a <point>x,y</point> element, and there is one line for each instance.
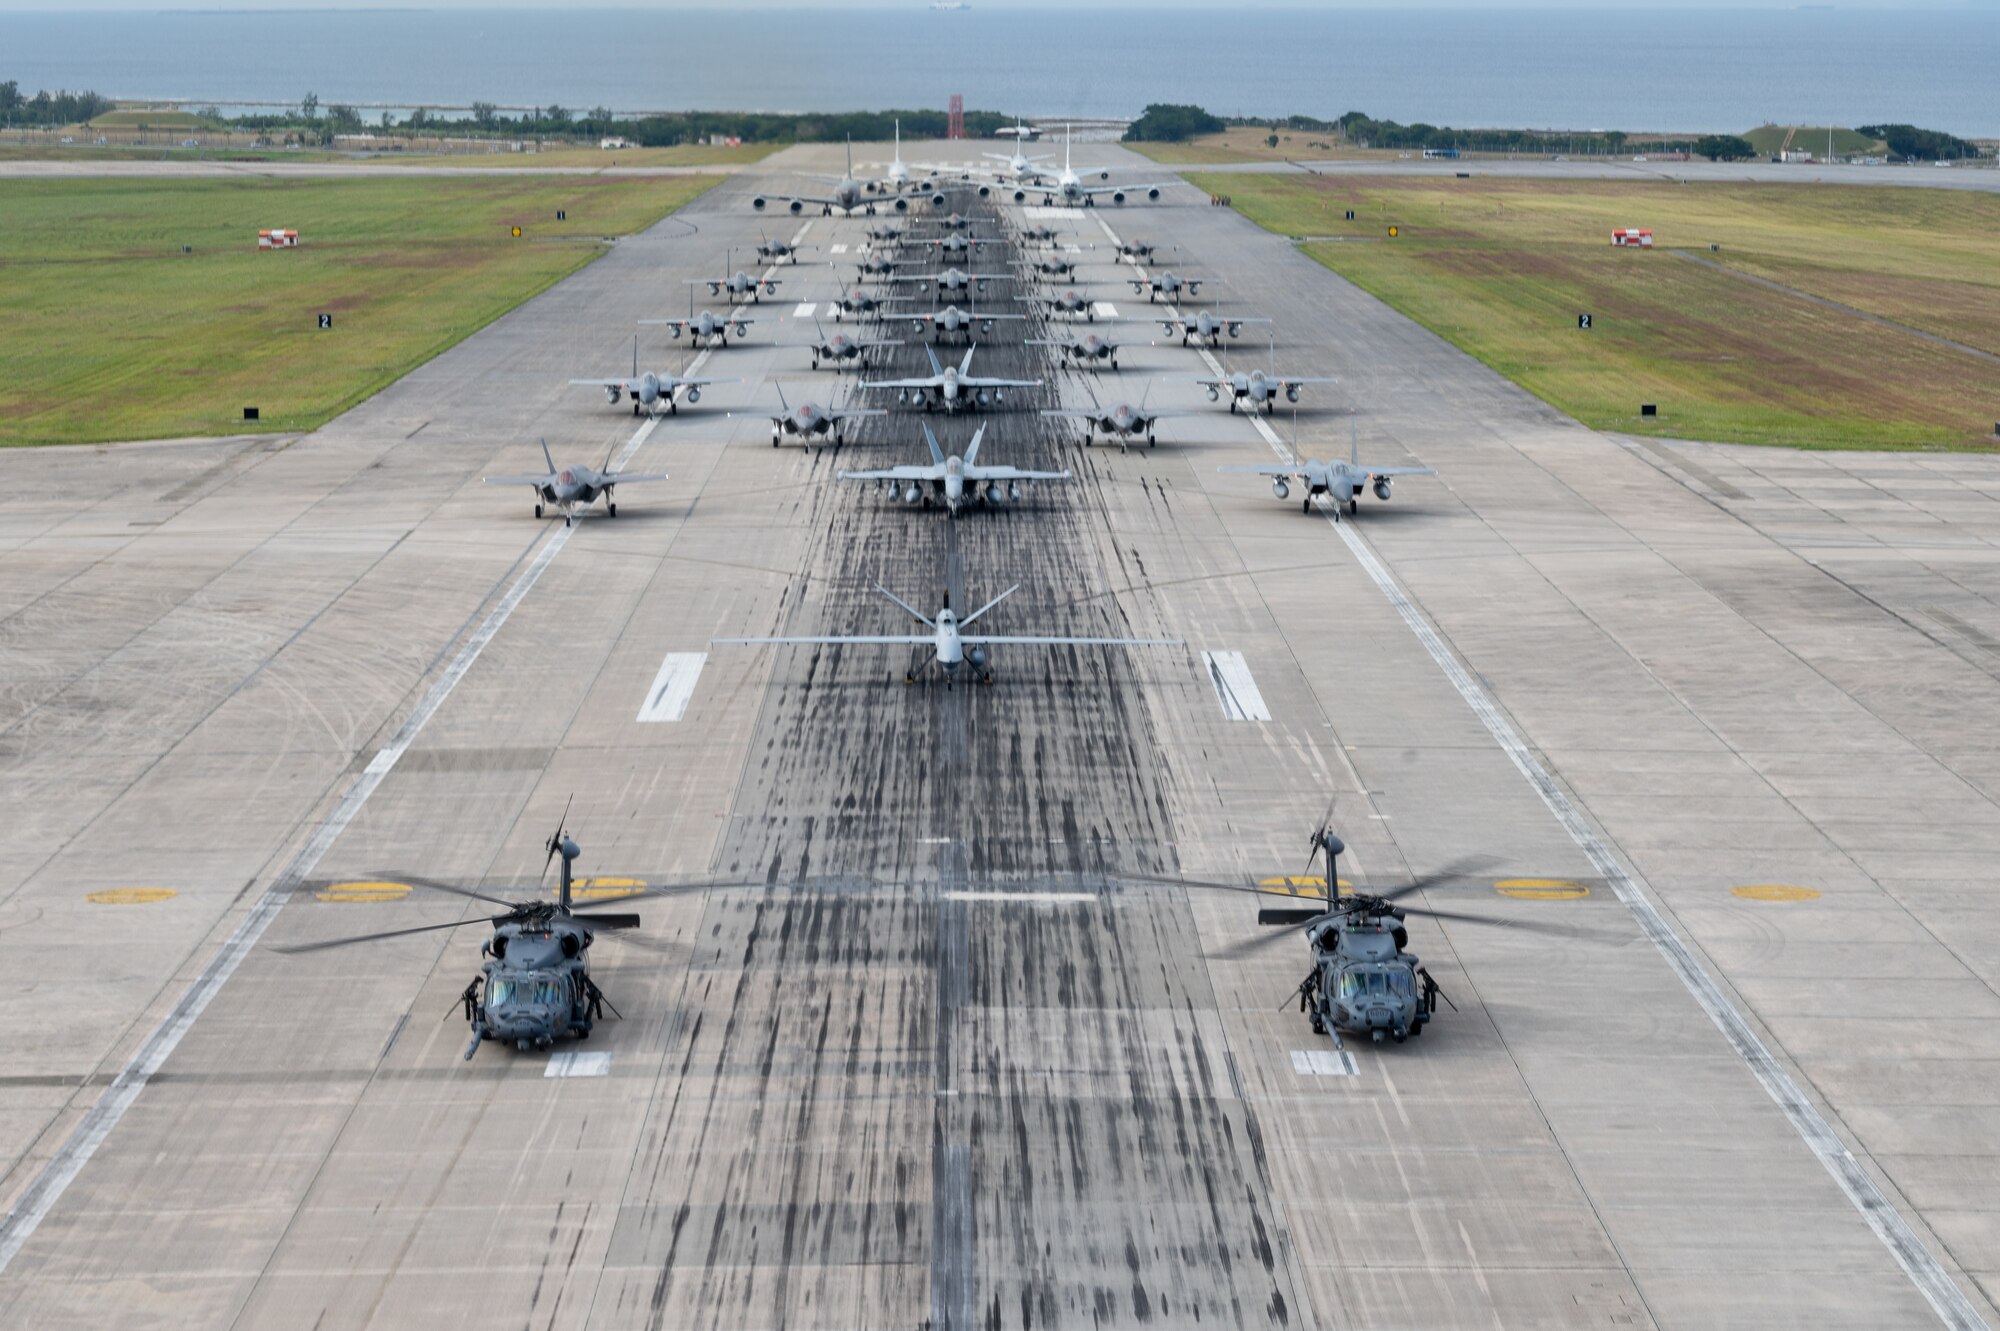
<point>1257,388</point>
<point>652,391</point>
<point>954,481</point>
<point>812,422</point>
<point>1340,481</point>
<point>575,488</point>
<point>952,387</point>
<point>841,347</point>
<point>951,646</point>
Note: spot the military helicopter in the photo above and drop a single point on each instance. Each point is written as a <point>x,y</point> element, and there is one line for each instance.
<point>535,985</point>
<point>1364,979</point>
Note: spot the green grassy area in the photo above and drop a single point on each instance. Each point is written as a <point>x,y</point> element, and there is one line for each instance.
<point>1502,268</point>
<point>131,118</point>
<point>1768,139</point>
<point>113,333</point>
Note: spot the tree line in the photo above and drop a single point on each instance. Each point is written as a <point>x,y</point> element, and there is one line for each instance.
<point>49,108</point>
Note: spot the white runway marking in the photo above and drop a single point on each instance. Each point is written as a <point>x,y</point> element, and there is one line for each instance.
<point>35,1202</point>
<point>1031,898</point>
<point>1230,674</point>
<point>836,249</point>
<point>667,700</point>
<point>1038,213</point>
<point>1324,1063</point>
<point>578,1065</point>
<point>1889,1225</point>
<point>805,311</point>
<point>1105,309</point>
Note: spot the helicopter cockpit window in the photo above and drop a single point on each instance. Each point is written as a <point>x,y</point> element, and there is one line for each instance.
<point>1352,984</point>
<point>1399,983</point>
<point>500,991</point>
<point>547,993</point>
<point>1377,982</point>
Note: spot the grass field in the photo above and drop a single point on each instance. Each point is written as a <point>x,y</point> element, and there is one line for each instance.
<point>113,333</point>
<point>1247,144</point>
<point>1768,139</point>
<point>1502,269</point>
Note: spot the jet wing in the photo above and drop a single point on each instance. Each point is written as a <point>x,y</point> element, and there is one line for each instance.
<point>628,385</point>
<point>933,381</point>
<point>1003,473</point>
<point>966,381</point>
<point>1117,189</point>
<point>988,638</point>
<point>697,383</point>
<point>1268,469</point>
<point>1402,471</point>
<point>885,639</point>
<point>1289,379</point>
<point>850,413</point>
<point>548,478</point>
<point>910,472</point>
<point>627,477</point>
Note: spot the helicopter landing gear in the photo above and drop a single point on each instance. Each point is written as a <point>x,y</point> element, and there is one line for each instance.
<point>610,509</point>
<point>538,510</point>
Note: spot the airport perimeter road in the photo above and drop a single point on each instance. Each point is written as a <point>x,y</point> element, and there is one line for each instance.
<point>970,1054</point>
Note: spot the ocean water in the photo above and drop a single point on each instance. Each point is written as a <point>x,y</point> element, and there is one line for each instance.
<point>1632,68</point>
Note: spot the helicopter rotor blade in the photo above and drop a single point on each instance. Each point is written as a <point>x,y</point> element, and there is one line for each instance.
<point>295,948</point>
<point>1457,869</point>
<point>433,885</point>
<point>607,920</point>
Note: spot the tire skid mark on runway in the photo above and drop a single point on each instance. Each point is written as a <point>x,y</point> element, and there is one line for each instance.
<point>1889,1224</point>
<point>928,1088</point>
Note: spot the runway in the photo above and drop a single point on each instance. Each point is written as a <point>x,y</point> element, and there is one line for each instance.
<point>967,1056</point>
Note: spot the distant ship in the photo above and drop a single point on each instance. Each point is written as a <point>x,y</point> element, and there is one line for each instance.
<point>949,4</point>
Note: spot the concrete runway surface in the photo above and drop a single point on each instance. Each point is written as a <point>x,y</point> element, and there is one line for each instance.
<point>1726,715</point>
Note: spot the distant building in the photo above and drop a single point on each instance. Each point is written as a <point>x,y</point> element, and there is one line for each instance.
<point>1796,155</point>
<point>612,143</point>
<point>1632,236</point>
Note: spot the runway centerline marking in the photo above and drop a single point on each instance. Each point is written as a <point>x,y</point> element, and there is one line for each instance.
<point>1889,1225</point>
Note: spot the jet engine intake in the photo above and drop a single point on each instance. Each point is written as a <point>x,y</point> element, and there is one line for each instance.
<point>1280,489</point>
<point>1382,488</point>
<point>1291,392</point>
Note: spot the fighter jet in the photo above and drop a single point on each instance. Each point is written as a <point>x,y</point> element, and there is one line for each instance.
<point>1340,481</point>
<point>883,233</point>
<point>1140,250</point>
<point>573,489</point>
<point>858,300</point>
<point>954,480</point>
<point>849,195</point>
<point>878,261</point>
<point>1071,190</point>
<point>958,246</point>
<point>738,284</point>
<point>706,327</point>
<point>1018,166</point>
<point>953,320</point>
<point>1051,265</point>
<point>952,387</point>
<point>1067,301</point>
<point>1257,388</point>
<point>951,646</point>
<point>1206,326</point>
<point>650,390</point>
<point>1167,284</point>
<point>1093,347</point>
<point>776,251</point>
<point>841,347</point>
<point>953,222</point>
<point>812,422</point>
<point>1039,235</point>
<point>952,279</point>
<point>1125,420</point>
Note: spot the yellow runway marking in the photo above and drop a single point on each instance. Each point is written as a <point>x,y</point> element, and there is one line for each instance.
<point>1541,889</point>
<point>364,892</point>
<point>130,896</point>
<point>1773,892</point>
<point>1303,885</point>
<point>605,889</point>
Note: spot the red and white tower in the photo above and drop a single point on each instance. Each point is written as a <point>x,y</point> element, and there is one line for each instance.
<point>956,130</point>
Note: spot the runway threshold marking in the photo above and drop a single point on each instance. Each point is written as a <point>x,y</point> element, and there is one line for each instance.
<point>1234,686</point>
<point>1889,1225</point>
<point>1105,309</point>
<point>41,1195</point>
<point>805,311</point>
<point>667,700</point>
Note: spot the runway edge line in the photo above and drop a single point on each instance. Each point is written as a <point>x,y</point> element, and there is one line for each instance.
<point>40,1196</point>
<point>1888,1223</point>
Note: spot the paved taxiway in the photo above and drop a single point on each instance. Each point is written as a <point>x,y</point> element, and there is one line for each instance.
<point>837,1103</point>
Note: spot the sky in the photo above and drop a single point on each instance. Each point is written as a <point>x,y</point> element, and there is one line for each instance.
<point>109,6</point>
